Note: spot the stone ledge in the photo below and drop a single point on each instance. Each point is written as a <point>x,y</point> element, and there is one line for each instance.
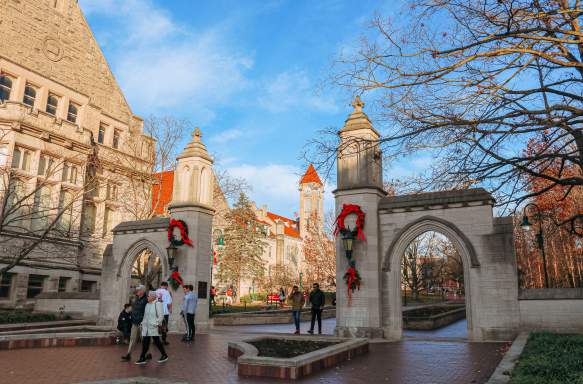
<point>551,294</point>
<point>56,340</point>
<point>502,373</point>
<point>250,364</point>
<point>441,198</point>
<point>359,332</point>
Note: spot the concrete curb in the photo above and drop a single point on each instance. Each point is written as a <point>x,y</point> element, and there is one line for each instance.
<point>504,369</point>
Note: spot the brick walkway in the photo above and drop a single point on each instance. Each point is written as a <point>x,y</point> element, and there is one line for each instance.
<point>205,361</point>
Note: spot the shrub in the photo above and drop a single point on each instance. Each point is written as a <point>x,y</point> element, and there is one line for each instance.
<point>16,317</point>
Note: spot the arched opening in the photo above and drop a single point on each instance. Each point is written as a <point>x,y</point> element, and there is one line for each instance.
<point>457,244</point>
<point>146,269</point>
<point>432,287</point>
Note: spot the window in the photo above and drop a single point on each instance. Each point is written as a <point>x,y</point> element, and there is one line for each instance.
<point>65,206</point>
<point>29,95</point>
<point>52,104</point>
<point>116,135</point>
<point>5,87</point>
<point>64,283</point>
<point>72,113</point>
<point>111,191</point>
<point>21,159</point>
<point>101,134</point>
<point>6,286</point>
<point>107,221</point>
<point>35,285</point>
<point>69,174</point>
<point>89,219</point>
<point>41,208</point>
<point>15,204</point>
<point>46,166</point>
<point>88,286</point>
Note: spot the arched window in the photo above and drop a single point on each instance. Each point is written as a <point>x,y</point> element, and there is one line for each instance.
<point>29,95</point>
<point>72,113</point>
<point>5,87</point>
<point>52,104</point>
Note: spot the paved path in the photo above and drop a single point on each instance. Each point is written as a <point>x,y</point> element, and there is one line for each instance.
<point>205,361</point>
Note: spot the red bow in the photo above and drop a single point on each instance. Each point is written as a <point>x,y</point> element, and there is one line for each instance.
<point>176,276</point>
<point>352,281</point>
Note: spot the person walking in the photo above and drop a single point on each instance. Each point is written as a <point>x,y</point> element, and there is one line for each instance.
<point>153,319</point>
<point>213,295</point>
<point>229,296</point>
<point>317,300</point>
<point>189,310</point>
<point>166,298</point>
<point>138,308</point>
<point>281,297</point>
<point>296,300</point>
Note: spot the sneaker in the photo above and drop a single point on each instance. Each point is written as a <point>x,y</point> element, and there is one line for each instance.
<point>311,332</point>
<point>126,357</point>
<point>149,356</point>
<point>142,361</point>
<point>163,359</point>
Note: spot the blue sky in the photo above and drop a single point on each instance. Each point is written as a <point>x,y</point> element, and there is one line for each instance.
<point>249,73</point>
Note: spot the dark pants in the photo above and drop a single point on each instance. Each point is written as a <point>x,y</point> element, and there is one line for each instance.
<point>296,316</point>
<point>146,346</point>
<point>190,326</point>
<point>165,328</point>
<point>316,313</point>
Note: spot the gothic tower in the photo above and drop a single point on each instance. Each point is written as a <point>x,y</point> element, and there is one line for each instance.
<point>311,199</point>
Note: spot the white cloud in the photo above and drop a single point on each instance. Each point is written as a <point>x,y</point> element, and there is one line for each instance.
<point>226,136</point>
<point>161,64</point>
<point>293,89</point>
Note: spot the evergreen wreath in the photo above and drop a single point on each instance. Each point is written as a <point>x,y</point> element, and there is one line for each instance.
<point>184,239</point>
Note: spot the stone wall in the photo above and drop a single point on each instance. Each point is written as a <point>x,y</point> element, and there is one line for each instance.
<point>553,309</point>
<point>78,305</point>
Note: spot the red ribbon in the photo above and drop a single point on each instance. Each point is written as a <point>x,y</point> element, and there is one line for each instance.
<point>352,281</point>
<point>348,209</point>
<point>176,276</point>
<point>178,223</point>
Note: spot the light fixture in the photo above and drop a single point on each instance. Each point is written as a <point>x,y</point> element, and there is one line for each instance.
<point>171,253</point>
<point>347,241</point>
<point>526,225</point>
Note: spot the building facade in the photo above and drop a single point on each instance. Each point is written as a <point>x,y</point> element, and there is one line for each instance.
<point>73,157</point>
<point>283,251</point>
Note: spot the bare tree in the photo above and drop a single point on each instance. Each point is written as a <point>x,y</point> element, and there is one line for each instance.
<point>472,83</point>
<point>319,254</point>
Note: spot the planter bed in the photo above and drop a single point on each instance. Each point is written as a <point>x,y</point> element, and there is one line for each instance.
<point>292,357</point>
<point>433,317</point>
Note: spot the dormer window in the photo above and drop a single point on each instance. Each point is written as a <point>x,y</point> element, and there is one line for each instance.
<point>5,87</point>
<point>52,104</point>
<point>72,113</point>
<point>29,95</point>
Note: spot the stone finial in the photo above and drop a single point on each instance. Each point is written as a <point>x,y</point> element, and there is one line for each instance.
<point>197,134</point>
<point>357,104</point>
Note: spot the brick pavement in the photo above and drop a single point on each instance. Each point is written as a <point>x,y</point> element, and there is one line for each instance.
<point>205,361</point>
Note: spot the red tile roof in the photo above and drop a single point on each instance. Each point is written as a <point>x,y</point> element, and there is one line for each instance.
<point>289,228</point>
<point>162,191</point>
<point>311,176</point>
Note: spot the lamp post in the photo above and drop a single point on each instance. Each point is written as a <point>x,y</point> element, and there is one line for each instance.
<point>347,242</point>
<point>527,227</point>
<point>171,253</point>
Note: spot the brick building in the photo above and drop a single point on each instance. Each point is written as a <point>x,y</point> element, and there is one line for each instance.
<point>70,149</point>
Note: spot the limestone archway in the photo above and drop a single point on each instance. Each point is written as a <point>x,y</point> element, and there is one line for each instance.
<point>391,268</point>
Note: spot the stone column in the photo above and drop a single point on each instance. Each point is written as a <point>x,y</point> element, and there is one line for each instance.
<point>360,182</point>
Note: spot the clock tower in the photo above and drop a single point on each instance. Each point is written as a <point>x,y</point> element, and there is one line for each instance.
<point>311,199</point>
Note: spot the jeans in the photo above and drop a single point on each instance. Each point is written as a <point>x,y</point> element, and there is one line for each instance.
<point>165,333</point>
<point>146,346</point>
<point>296,316</point>
<point>190,326</point>
<point>316,313</point>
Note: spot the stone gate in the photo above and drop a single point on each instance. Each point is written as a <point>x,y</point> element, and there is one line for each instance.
<point>191,202</point>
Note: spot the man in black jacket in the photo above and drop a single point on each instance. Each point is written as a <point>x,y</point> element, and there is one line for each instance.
<point>317,300</point>
<point>138,308</point>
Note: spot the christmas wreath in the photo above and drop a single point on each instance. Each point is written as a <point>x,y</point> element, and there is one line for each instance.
<point>351,277</point>
<point>184,239</point>
<point>348,209</point>
<point>175,280</point>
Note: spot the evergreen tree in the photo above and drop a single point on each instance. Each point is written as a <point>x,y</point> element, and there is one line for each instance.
<point>244,245</point>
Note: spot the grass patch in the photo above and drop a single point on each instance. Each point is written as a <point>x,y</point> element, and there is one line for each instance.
<point>550,358</point>
<point>17,317</point>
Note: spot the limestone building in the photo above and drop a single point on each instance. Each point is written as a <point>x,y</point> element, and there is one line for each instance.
<point>73,157</point>
<point>284,236</point>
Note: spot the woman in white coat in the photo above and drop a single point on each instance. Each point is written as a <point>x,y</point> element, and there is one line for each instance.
<point>153,317</point>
